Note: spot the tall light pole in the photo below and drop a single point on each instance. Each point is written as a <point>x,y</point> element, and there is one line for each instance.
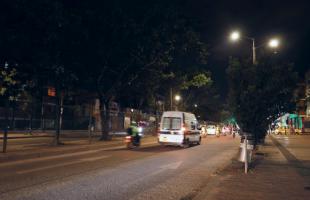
<point>253,51</point>
<point>235,36</point>
<point>273,43</point>
<point>177,98</point>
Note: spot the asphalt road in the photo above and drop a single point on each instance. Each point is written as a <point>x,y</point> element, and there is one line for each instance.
<point>150,172</point>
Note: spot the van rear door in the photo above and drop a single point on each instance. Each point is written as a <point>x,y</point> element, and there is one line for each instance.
<point>171,124</point>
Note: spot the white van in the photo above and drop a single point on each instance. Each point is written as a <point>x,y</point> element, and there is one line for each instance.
<point>178,128</point>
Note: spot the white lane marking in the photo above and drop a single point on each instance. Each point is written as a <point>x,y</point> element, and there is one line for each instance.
<point>170,166</point>
<point>31,160</point>
<point>48,158</point>
<point>143,144</point>
<point>174,165</point>
<point>61,164</point>
<point>95,158</point>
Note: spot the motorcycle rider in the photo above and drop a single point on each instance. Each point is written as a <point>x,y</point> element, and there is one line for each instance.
<point>134,132</point>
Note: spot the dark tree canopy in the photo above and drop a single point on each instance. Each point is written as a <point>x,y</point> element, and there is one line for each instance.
<point>260,92</point>
<point>124,51</point>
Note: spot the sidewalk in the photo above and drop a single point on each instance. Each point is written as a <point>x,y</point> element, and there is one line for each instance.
<point>273,176</point>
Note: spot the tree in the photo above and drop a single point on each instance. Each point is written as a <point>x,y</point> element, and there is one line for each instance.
<point>9,90</point>
<point>124,51</point>
<point>133,51</point>
<point>259,93</point>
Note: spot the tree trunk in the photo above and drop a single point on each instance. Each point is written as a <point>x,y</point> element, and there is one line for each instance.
<point>105,118</point>
<point>42,115</point>
<point>59,111</point>
<point>30,123</point>
<point>13,116</point>
<point>5,128</point>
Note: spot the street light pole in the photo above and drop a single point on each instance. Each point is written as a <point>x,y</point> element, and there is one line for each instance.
<point>273,43</point>
<point>253,48</point>
<point>253,51</point>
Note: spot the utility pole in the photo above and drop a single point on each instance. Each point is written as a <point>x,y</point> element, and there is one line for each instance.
<point>253,51</point>
<point>42,115</point>
<point>90,122</point>
<point>246,154</point>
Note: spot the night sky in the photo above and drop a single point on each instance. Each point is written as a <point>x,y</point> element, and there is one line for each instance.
<point>261,19</point>
<point>288,20</point>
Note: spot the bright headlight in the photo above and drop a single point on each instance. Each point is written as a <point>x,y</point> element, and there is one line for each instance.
<point>140,129</point>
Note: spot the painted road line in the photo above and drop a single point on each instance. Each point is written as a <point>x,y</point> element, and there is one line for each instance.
<point>145,144</point>
<point>49,158</point>
<point>161,169</point>
<point>61,164</point>
<point>39,159</point>
<point>95,158</point>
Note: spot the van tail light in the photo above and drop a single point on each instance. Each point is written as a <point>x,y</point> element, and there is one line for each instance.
<point>183,128</point>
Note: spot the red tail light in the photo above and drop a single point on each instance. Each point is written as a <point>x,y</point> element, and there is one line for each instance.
<point>158,133</point>
<point>128,138</point>
<point>183,128</point>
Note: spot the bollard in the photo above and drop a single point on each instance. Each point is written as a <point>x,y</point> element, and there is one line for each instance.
<point>246,154</point>
<point>246,149</point>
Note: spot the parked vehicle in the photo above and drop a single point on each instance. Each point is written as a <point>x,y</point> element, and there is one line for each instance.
<point>179,128</point>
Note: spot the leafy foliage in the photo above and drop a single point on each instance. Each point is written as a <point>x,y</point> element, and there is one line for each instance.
<point>9,84</point>
<point>129,52</point>
<point>259,93</point>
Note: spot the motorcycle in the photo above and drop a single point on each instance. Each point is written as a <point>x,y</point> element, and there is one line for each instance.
<point>132,142</point>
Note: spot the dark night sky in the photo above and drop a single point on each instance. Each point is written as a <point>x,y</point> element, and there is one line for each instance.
<point>290,21</point>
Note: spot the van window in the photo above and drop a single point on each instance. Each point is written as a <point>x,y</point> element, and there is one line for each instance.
<point>193,125</point>
<point>171,123</point>
<point>166,123</point>
<point>176,123</point>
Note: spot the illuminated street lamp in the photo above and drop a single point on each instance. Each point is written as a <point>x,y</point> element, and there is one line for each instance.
<point>235,35</point>
<point>195,105</point>
<point>274,43</point>
<point>177,98</point>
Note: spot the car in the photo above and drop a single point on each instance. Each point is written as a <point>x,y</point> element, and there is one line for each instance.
<point>225,130</point>
<point>211,129</point>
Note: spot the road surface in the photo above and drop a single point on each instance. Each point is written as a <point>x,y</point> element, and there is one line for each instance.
<point>150,172</point>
